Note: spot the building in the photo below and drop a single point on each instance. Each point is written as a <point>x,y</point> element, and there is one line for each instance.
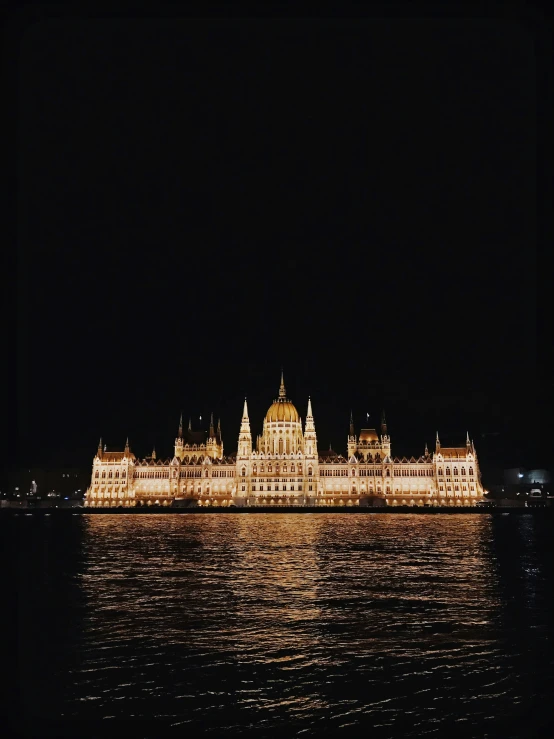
<point>285,467</point>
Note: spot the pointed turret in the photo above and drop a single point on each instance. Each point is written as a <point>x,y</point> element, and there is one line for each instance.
<point>437,443</point>
<point>127,447</point>
<point>245,414</point>
<point>426,450</point>
<point>468,442</point>
<point>153,452</point>
<point>383,424</point>
<point>190,424</point>
<point>212,432</point>
<point>351,444</point>
<point>100,447</point>
<point>245,437</point>
<point>178,447</point>
<point>309,417</point>
<point>310,437</point>
<point>219,429</point>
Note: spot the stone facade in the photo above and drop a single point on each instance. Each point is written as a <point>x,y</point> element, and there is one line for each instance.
<point>285,468</point>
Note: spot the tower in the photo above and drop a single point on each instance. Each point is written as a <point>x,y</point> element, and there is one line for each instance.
<point>385,438</point>
<point>383,424</point>
<point>179,451</point>
<point>351,438</point>
<point>212,431</point>
<point>214,446</point>
<point>245,437</point>
<point>437,444</point>
<point>310,438</point>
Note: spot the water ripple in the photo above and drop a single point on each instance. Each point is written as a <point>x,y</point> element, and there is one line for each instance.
<point>261,625</point>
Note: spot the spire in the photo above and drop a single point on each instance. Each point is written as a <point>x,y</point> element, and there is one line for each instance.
<point>127,446</point>
<point>309,418</point>
<point>383,424</point>
<point>468,442</point>
<point>100,447</point>
<point>153,452</point>
<point>190,424</point>
<point>245,437</point>
<point>282,391</point>
<point>180,433</point>
<point>212,432</point>
<point>352,433</point>
<point>437,443</point>
<point>219,428</point>
<point>426,450</point>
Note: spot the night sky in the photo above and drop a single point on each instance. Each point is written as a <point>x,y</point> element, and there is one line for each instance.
<point>200,203</point>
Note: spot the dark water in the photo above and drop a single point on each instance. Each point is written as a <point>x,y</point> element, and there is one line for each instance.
<point>283,625</point>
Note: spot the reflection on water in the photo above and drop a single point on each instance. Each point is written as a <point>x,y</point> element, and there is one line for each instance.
<point>267,625</point>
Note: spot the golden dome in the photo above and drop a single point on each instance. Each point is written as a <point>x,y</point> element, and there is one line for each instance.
<point>282,410</point>
<point>368,435</point>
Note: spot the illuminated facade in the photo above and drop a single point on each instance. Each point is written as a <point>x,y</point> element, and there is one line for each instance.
<point>285,468</point>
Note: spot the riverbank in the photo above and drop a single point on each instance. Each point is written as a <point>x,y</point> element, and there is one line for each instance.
<point>413,510</point>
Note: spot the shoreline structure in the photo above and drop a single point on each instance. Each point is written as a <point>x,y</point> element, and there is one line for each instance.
<point>407,510</point>
<point>284,468</point>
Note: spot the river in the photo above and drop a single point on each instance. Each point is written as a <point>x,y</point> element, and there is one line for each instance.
<point>267,625</point>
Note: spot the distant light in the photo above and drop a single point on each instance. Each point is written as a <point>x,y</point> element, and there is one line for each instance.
<point>520,474</point>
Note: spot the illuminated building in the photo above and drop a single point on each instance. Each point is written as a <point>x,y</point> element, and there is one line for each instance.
<point>285,468</point>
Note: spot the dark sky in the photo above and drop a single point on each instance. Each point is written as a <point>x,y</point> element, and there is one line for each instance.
<point>199,203</point>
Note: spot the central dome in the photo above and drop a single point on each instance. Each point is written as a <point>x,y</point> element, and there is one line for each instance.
<point>282,409</point>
